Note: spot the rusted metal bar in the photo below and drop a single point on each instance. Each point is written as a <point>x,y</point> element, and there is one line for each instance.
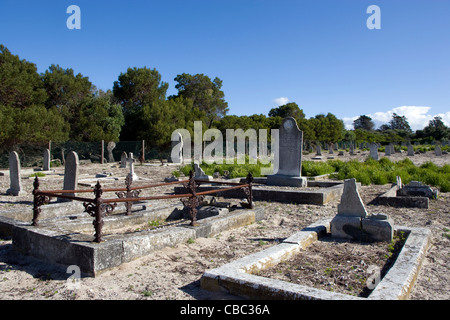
<point>98,210</point>
<point>128,193</point>
<point>38,201</point>
<point>194,200</point>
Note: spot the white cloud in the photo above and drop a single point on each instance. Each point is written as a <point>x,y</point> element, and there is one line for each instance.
<point>418,117</point>
<point>281,101</point>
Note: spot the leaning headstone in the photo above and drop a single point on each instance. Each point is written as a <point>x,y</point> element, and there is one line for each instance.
<point>438,151</point>
<point>374,151</point>
<point>123,160</point>
<point>15,186</point>
<point>352,221</point>
<point>289,156</point>
<point>70,174</point>
<point>46,164</point>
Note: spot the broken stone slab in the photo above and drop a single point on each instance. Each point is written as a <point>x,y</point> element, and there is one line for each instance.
<point>417,189</point>
<point>373,228</point>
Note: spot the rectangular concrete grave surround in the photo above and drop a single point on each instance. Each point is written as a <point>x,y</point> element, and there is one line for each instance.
<point>289,156</point>
<point>68,240</point>
<point>393,199</point>
<point>236,277</point>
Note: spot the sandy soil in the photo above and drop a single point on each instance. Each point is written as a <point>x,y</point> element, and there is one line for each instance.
<point>174,273</point>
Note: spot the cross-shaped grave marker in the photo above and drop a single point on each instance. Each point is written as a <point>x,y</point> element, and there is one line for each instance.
<point>131,161</point>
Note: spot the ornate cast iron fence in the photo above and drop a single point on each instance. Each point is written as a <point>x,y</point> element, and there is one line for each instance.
<point>99,207</point>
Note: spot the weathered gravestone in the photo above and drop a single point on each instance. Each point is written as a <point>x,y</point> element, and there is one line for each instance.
<point>410,150</point>
<point>353,222</point>
<point>123,160</point>
<point>318,150</point>
<point>70,174</point>
<point>289,156</point>
<point>199,173</point>
<point>374,151</point>
<point>438,151</point>
<point>131,161</point>
<point>46,163</point>
<point>15,186</point>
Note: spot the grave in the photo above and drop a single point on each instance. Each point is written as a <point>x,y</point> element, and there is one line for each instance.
<point>63,235</point>
<point>353,222</point>
<point>289,156</point>
<point>123,160</point>
<point>413,195</point>
<point>238,277</point>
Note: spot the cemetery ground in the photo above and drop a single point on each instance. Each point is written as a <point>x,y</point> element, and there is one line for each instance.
<point>175,272</point>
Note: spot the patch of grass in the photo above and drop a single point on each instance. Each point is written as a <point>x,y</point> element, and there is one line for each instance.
<point>385,171</point>
<point>37,174</point>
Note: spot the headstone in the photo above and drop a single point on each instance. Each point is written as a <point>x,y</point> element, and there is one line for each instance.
<point>438,151</point>
<point>330,149</point>
<point>176,155</point>
<point>374,151</point>
<point>46,164</point>
<point>352,149</point>
<point>123,160</point>
<point>410,150</point>
<point>387,150</point>
<point>130,160</point>
<point>199,173</point>
<point>289,156</point>
<point>15,186</point>
<point>70,174</point>
<point>351,203</point>
<point>110,147</point>
<point>318,150</point>
<point>352,221</point>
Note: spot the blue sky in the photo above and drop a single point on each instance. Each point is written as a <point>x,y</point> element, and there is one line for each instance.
<point>317,53</point>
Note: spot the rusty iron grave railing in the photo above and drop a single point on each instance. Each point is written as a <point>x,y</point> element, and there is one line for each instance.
<point>99,207</point>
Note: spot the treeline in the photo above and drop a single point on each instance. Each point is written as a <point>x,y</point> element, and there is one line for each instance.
<point>59,105</point>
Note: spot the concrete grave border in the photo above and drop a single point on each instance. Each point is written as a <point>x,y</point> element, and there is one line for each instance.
<point>60,242</point>
<point>236,278</point>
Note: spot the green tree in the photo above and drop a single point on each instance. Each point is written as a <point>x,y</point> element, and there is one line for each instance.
<point>436,129</point>
<point>139,91</point>
<point>290,109</point>
<point>364,122</point>
<point>20,83</point>
<point>99,119</point>
<point>205,94</point>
